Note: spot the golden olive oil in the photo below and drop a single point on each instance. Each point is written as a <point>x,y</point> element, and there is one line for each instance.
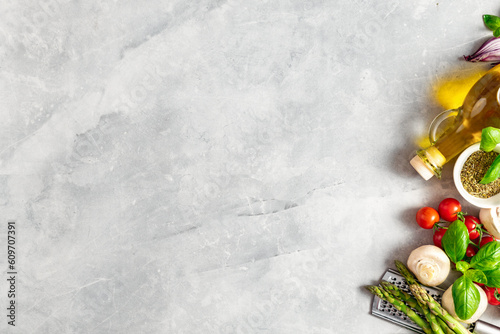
<point>480,109</point>
<point>450,90</point>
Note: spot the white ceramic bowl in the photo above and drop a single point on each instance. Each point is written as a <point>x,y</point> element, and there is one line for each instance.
<point>491,202</point>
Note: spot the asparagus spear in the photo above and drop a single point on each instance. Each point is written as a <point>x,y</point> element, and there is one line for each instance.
<point>426,300</point>
<point>431,318</point>
<point>432,330</point>
<point>444,326</point>
<point>400,306</point>
<point>412,302</point>
<point>438,310</point>
<point>402,295</point>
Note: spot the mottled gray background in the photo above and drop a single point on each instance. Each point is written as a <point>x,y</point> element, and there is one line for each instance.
<point>217,166</point>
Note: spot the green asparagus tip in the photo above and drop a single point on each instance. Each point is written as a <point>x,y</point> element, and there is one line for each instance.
<point>369,288</point>
<point>400,265</point>
<point>374,289</point>
<point>405,272</point>
<point>388,285</point>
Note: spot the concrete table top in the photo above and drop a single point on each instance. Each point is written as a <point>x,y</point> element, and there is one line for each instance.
<point>217,166</point>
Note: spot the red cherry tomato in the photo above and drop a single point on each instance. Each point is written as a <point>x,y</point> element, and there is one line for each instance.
<point>486,239</point>
<point>471,251</point>
<point>493,295</point>
<point>438,237</point>
<point>427,217</point>
<point>473,224</point>
<point>448,209</point>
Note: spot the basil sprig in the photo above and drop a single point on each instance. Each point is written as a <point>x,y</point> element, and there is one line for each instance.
<point>456,240</point>
<point>477,275</point>
<point>484,267</point>
<point>487,258</point>
<point>493,172</point>
<point>493,23</point>
<point>462,266</point>
<point>465,297</point>
<point>490,137</point>
<point>492,277</point>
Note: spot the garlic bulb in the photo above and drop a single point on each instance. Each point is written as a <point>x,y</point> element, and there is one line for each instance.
<point>430,264</point>
<point>491,220</point>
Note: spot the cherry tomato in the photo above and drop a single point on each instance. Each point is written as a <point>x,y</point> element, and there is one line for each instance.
<point>493,295</point>
<point>427,217</point>
<point>473,224</point>
<point>438,237</point>
<point>448,209</point>
<point>471,251</point>
<point>486,239</point>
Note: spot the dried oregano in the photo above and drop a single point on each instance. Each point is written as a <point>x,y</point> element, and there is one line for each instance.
<point>474,169</point>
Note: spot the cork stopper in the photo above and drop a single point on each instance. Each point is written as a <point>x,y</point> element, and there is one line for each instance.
<point>422,168</point>
<point>428,162</point>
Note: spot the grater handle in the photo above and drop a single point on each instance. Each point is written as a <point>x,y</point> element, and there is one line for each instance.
<point>486,328</point>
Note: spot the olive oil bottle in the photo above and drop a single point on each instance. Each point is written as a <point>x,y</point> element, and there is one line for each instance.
<point>481,108</point>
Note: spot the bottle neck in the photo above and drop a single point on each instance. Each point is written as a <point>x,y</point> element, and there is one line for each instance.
<point>433,160</point>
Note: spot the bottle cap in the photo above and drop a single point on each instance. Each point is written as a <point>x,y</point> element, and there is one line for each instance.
<point>421,167</point>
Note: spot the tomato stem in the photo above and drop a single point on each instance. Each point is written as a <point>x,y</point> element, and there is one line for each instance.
<point>497,295</point>
<point>474,244</point>
<point>439,225</point>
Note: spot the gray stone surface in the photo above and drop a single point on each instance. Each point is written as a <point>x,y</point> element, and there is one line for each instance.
<point>217,166</point>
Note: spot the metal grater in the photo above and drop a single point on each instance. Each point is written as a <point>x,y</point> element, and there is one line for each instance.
<point>385,310</point>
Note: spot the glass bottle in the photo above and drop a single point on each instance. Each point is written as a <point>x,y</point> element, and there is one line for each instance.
<point>481,108</point>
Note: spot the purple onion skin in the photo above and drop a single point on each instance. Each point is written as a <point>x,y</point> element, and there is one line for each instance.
<point>488,52</point>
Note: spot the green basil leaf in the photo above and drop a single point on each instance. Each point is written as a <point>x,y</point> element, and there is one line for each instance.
<point>491,21</point>
<point>493,172</point>
<point>462,266</point>
<point>476,276</point>
<point>465,297</point>
<point>487,258</point>
<point>490,137</point>
<point>492,278</point>
<point>496,32</point>
<point>455,241</point>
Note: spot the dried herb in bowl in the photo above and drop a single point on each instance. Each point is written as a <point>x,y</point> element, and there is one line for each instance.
<point>473,171</point>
